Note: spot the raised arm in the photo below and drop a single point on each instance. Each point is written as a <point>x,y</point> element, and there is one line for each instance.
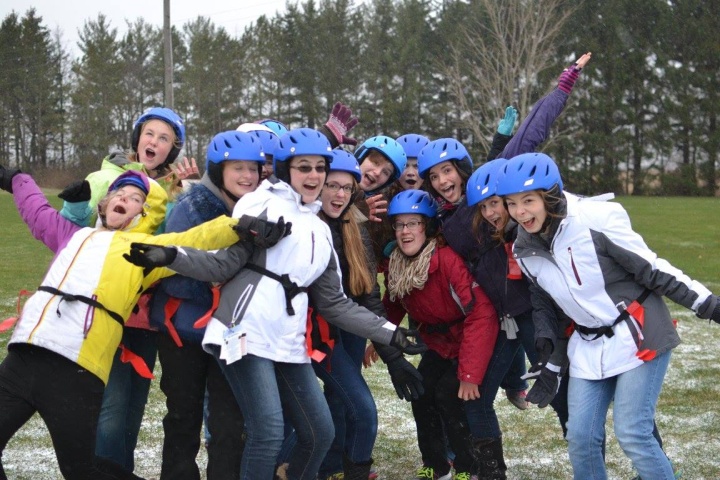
<point>45,223</point>
<point>535,129</point>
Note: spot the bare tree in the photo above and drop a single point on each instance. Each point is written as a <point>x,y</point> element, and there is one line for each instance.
<point>502,48</point>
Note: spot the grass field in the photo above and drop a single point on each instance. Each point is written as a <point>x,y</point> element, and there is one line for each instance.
<point>685,231</point>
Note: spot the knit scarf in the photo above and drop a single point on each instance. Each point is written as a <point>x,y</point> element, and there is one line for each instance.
<point>406,273</point>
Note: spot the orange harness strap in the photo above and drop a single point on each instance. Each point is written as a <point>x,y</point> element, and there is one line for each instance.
<point>205,319</point>
<point>8,323</point>
<point>171,308</point>
<point>138,364</point>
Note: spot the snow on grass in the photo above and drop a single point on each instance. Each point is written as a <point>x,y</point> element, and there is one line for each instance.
<point>688,418</point>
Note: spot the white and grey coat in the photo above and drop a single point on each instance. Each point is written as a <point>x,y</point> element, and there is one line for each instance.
<point>258,301</point>
<point>596,266</point>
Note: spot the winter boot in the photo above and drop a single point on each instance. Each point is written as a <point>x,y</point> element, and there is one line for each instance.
<point>489,459</point>
<point>356,471</point>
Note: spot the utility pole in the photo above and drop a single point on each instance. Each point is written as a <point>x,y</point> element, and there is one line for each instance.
<point>167,40</point>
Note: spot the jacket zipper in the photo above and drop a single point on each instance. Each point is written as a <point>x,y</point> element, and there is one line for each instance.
<point>89,315</point>
<point>574,268</point>
<point>312,256</point>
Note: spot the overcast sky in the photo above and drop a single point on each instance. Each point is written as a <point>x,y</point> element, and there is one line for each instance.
<point>69,16</point>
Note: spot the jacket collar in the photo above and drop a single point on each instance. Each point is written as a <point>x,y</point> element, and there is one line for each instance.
<point>286,192</point>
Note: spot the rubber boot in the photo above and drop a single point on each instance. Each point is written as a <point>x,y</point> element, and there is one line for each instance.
<point>490,463</point>
<point>356,471</point>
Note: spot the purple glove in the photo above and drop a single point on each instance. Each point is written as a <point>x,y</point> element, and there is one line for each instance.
<point>340,122</point>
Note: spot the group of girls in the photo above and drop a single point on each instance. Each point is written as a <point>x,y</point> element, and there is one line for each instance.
<point>481,282</point>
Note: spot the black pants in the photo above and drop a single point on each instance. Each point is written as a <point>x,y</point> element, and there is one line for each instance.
<point>186,372</point>
<point>439,415</point>
<point>67,397</point>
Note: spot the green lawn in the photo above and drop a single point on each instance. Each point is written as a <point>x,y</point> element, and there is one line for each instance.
<point>685,231</point>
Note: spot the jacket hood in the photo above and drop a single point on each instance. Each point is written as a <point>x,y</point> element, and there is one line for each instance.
<point>153,211</point>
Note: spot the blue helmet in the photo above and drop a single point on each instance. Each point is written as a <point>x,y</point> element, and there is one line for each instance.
<point>482,184</point>
<point>527,172</point>
<point>268,138</point>
<point>412,143</point>
<point>278,127</point>
<point>168,116</point>
<point>300,141</point>
<point>232,146</point>
<point>345,162</point>
<point>389,148</point>
<point>443,150</point>
<point>413,201</point>
<point>131,177</point>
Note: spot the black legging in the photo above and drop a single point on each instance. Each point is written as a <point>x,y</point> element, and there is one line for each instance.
<point>67,397</point>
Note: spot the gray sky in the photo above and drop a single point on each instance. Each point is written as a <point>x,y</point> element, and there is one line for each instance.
<point>69,16</point>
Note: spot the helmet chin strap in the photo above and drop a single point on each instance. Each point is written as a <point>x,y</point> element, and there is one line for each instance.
<point>230,195</point>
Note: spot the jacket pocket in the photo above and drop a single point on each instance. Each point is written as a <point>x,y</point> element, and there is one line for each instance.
<point>574,268</point>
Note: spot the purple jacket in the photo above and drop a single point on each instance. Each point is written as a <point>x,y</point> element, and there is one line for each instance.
<point>535,129</point>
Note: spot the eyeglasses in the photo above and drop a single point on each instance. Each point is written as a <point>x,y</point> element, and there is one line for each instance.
<point>412,225</point>
<point>308,168</point>
<point>335,187</point>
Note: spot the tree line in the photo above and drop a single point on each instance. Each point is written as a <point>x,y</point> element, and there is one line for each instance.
<point>643,118</point>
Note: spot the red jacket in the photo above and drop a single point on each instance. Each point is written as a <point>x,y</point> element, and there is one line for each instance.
<point>452,302</point>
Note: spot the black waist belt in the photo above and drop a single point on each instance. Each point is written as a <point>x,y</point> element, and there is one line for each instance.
<point>440,327</point>
<point>608,330</point>
<point>81,298</point>
<point>291,288</point>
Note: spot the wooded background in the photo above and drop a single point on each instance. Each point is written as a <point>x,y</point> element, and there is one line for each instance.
<point>643,118</point>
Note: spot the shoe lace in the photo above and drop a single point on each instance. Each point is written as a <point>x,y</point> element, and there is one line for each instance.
<point>462,476</point>
<point>336,476</point>
<point>426,472</point>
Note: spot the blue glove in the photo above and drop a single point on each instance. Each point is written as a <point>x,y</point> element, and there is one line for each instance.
<point>506,125</point>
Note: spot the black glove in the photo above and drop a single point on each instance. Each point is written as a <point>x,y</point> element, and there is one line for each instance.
<point>150,256</point>
<point>405,377</point>
<point>400,341</point>
<point>546,385</point>
<point>6,176</point>
<point>262,233</point>
<point>710,309</point>
<point>544,348</point>
<point>78,191</point>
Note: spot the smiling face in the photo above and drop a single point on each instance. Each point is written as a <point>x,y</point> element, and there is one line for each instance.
<point>241,177</point>
<point>410,179</point>
<point>122,206</point>
<point>334,197</point>
<point>376,170</point>
<point>493,210</point>
<point>410,236</point>
<point>528,209</point>
<point>307,176</point>
<point>156,140</point>
<point>446,180</point>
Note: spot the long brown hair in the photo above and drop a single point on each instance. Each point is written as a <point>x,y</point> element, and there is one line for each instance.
<point>360,279</point>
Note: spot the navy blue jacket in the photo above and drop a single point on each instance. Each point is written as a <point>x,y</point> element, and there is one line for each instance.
<point>200,204</point>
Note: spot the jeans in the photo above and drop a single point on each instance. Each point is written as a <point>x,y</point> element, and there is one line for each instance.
<point>67,397</point>
<point>124,400</point>
<point>635,395</point>
<point>265,389</point>
<point>188,373</point>
<point>513,381</point>
<point>440,416</point>
<point>351,404</point>
<point>481,414</point>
